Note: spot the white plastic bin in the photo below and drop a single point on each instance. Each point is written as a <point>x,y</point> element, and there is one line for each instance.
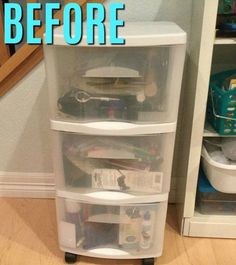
<point>138,82</point>
<point>111,231</point>
<point>221,176</point>
<point>134,165</point>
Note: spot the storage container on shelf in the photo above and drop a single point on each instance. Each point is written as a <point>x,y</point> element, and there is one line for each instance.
<point>222,175</point>
<point>211,201</point>
<point>221,108</point>
<point>137,166</point>
<point>128,231</point>
<point>137,82</point>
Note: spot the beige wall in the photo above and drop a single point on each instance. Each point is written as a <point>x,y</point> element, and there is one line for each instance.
<point>24,126</point>
<point>178,11</point>
<point>24,121</point>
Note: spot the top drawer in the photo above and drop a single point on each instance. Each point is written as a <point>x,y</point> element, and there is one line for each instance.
<point>125,84</point>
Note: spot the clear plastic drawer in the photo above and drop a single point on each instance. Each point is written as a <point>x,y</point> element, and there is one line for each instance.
<point>135,165</point>
<point>128,231</point>
<point>125,84</point>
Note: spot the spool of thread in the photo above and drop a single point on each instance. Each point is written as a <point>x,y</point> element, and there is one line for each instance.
<point>72,206</point>
<point>141,97</point>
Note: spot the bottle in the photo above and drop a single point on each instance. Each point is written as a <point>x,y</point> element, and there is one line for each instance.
<point>72,211</point>
<point>146,231</point>
<point>73,216</point>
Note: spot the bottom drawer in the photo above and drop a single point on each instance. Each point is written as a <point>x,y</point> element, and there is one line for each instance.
<point>127,231</point>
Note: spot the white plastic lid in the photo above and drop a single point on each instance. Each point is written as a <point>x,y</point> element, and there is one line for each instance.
<point>136,34</point>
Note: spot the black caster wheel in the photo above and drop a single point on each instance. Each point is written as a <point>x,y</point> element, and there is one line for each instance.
<point>70,258</point>
<point>149,261</point>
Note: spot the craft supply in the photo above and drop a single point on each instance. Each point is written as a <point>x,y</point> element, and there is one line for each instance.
<point>73,216</point>
<point>109,149</point>
<point>129,233</point>
<point>135,165</point>
<point>81,104</point>
<point>232,84</point>
<point>147,230</point>
<point>141,97</point>
<point>151,89</point>
<point>100,234</point>
<point>83,97</point>
<point>127,180</point>
<point>71,206</point>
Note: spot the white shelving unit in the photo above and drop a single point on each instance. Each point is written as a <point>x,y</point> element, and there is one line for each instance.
<point>114,112</point>
<point>209,131</point>
<point>218,226</point>
<point>203,60</point>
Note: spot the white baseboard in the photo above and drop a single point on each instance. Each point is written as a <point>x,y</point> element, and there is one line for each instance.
<point>37,185</point>
<point>31,185</point>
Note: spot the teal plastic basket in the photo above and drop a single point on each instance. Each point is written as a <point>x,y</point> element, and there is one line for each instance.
<point>221,107</point>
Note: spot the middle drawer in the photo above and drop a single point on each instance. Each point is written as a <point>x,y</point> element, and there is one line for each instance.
<point>138,165</point>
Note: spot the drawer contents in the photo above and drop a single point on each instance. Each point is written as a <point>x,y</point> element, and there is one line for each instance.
<point>126,84</point>
<point>217,164</point>
<point>211,201</point>
<point>132,228</point>
<point>83,105</point>
<point>137,164</point>
<point>221,108</point>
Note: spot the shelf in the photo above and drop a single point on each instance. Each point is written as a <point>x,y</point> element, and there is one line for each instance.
<point>225,41</point>
<point>213,217</point>
<point>219,226</point>
<point>209,131</point>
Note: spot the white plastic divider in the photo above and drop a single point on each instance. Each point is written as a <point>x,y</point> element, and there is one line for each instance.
<point>112,197</point>
<point>112,128</point>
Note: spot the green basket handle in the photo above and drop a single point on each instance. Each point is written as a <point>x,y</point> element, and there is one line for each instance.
<point>214,110</point>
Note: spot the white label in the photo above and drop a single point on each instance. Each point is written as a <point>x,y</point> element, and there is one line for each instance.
<point>125,180</point>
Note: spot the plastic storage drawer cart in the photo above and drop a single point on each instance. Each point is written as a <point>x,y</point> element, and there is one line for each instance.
<point>113,115</point>
<point>221,108</point>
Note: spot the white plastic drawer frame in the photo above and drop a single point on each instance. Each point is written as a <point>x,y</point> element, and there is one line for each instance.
<point>62,65</point>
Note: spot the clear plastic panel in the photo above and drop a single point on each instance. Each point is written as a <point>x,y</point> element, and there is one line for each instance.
<point>140,85</point>
<point>138,165</point>
<point>216,203</point>
<point>132,230</point>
